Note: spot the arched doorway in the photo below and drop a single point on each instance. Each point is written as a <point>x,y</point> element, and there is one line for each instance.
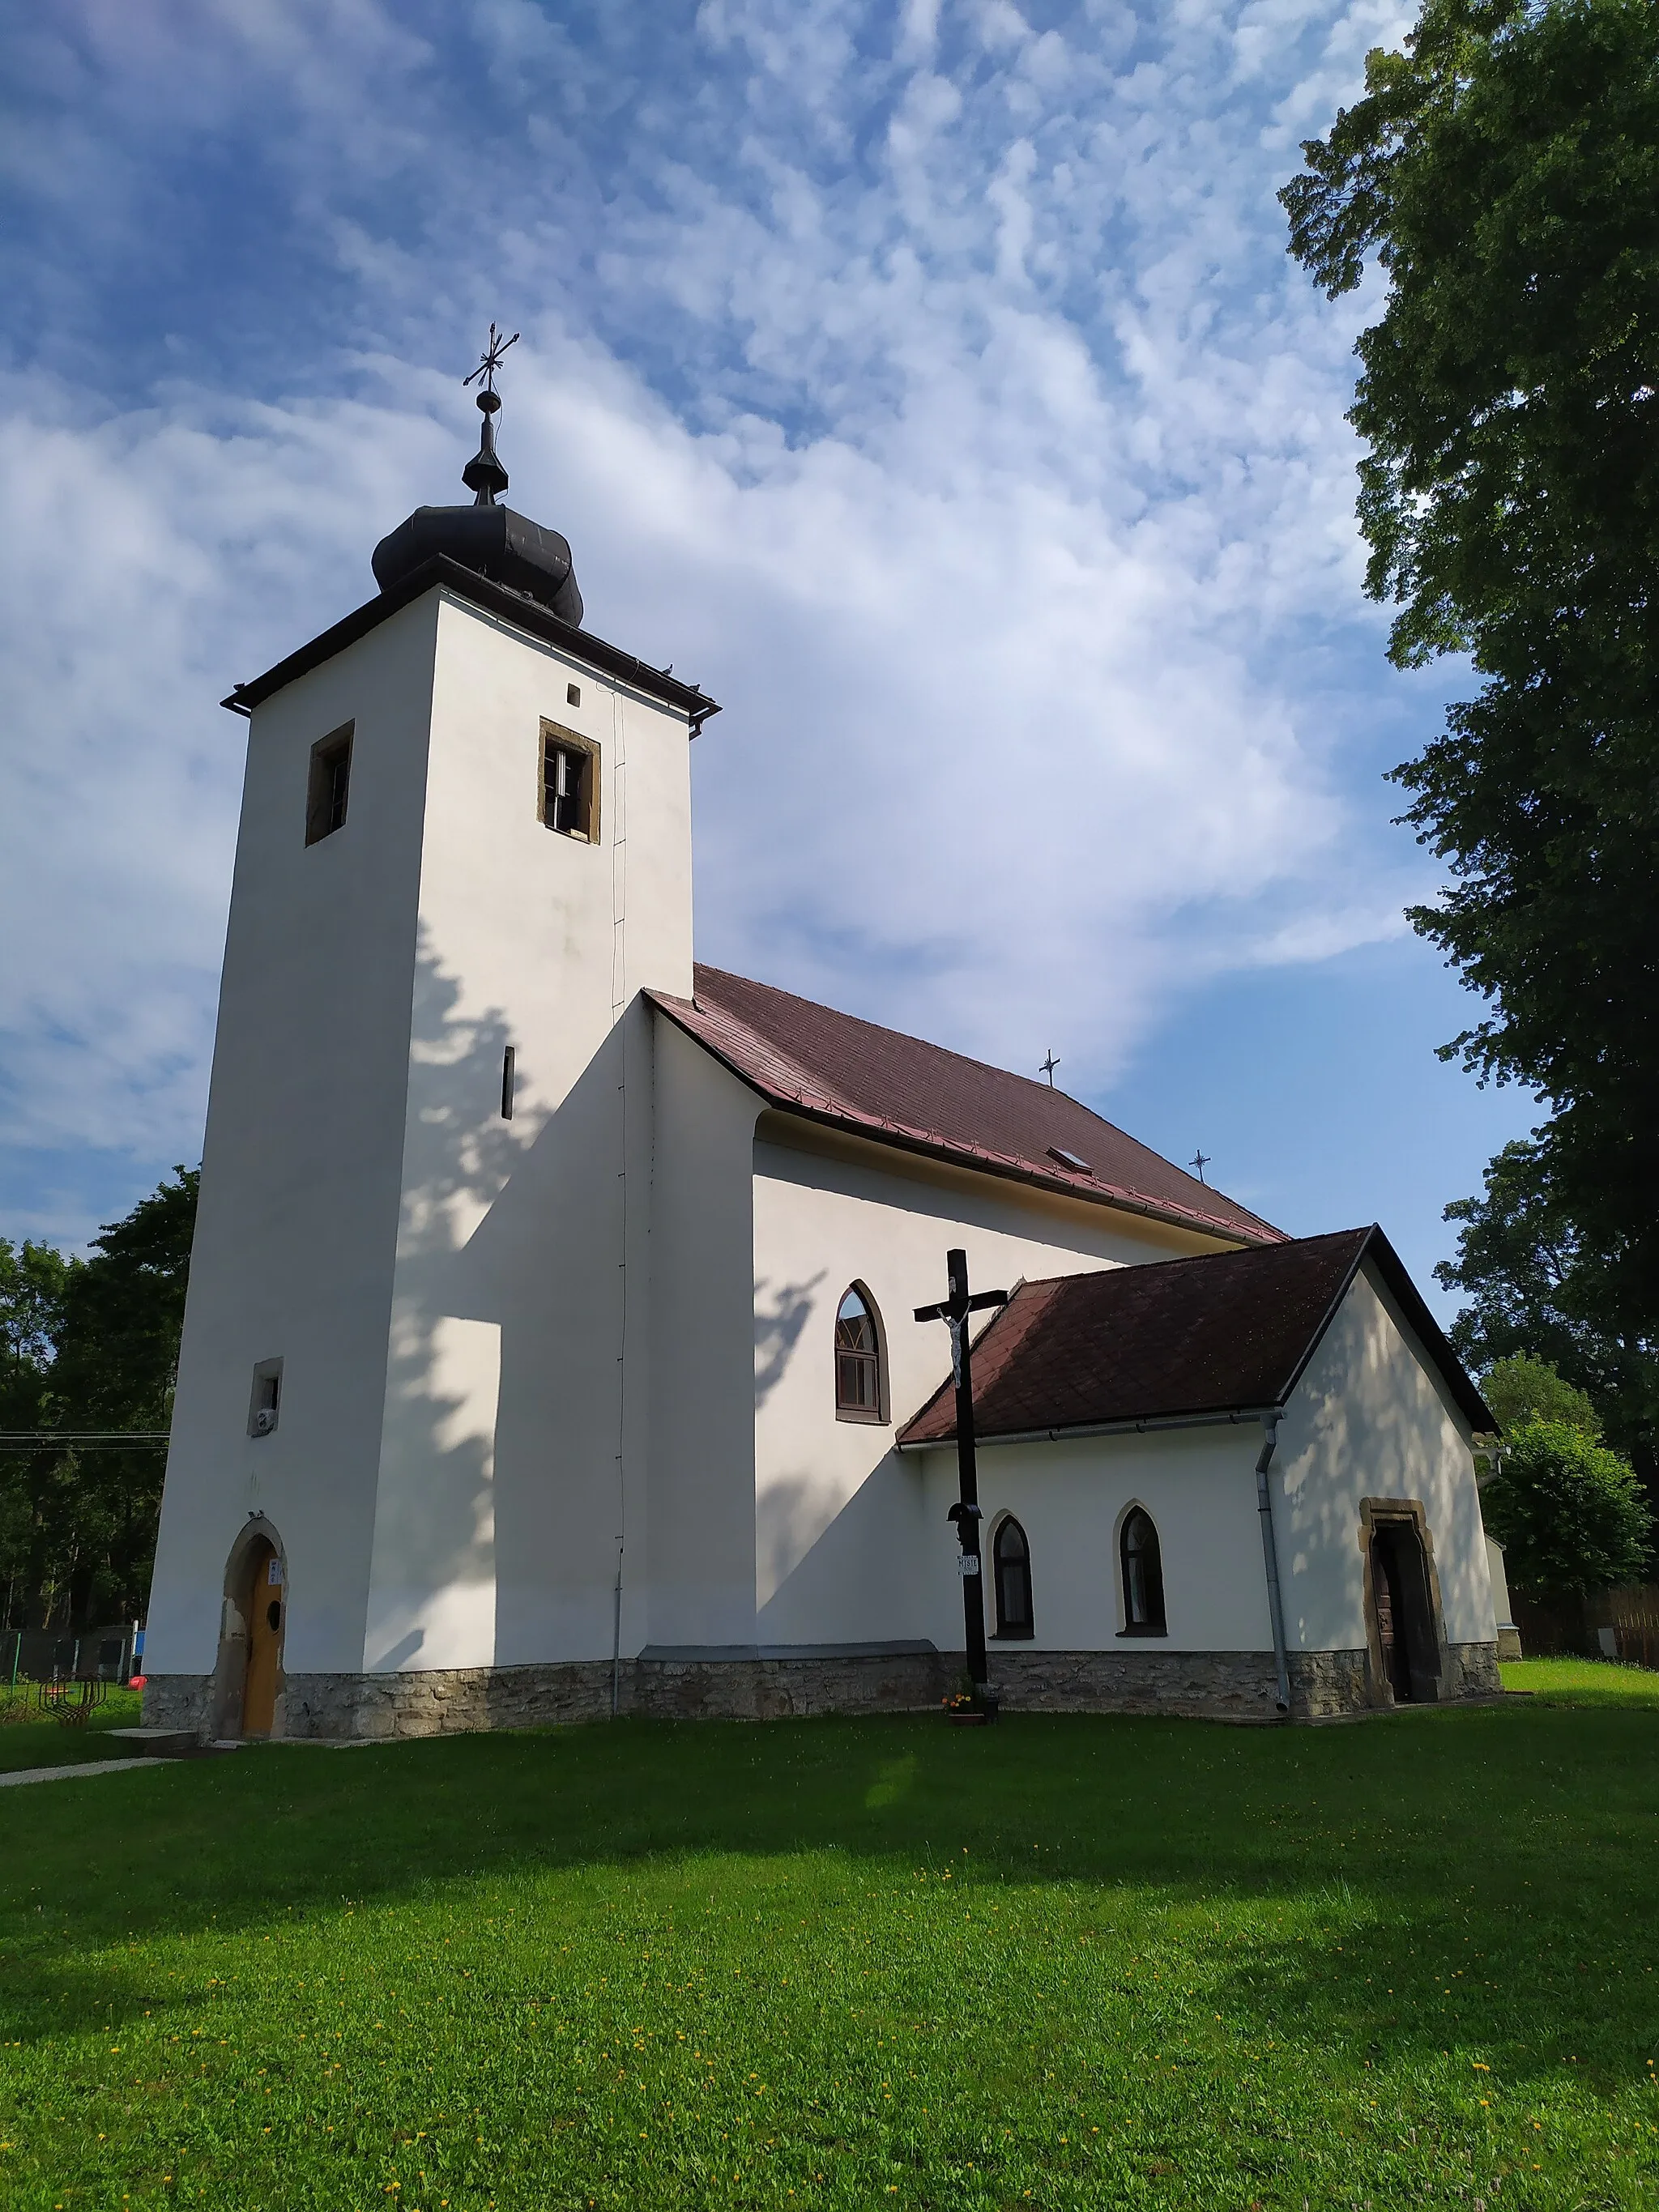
<point>248,1677</point>
<point>1407,1643</point>
<point>266,1594</point>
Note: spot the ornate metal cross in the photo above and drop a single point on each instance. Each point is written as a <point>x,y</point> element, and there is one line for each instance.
<point>483,475</point>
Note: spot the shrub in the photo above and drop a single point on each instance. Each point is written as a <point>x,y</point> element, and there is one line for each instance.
<point>1570,1514</point>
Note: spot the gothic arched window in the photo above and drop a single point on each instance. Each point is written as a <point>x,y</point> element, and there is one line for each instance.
<point>858,1357</point>
<point>1143,1574</point>
<point>1012,1559</point>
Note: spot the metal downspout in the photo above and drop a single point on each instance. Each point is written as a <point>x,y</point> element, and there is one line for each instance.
<point>1264,1506</point>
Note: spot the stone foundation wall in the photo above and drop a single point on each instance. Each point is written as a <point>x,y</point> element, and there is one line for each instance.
<point>178,1701</point>
<point>774,1689</point>
<point>1210,1685</point>
<point>1472,1672</point>
<point>1325,1684</point>
<point>1236,1686</point>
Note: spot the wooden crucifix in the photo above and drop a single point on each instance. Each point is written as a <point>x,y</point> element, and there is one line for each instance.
<point>953,1312</point>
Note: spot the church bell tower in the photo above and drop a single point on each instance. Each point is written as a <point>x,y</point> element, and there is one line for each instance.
<point>464,849</point>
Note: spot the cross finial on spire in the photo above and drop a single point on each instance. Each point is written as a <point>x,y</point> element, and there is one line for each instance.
<point>1198,1162</point>
<point>483,475</point>
<point>1048,1067</point>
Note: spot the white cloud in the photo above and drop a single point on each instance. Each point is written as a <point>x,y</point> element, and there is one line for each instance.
<point>961,428</point>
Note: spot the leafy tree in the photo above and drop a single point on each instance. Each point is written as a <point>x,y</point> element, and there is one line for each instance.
<point>33,1279</point>
<point>1570,1514</point>
<point>1502,171</point>
<point>118,1359</point>
<point>1521,1388</point>
<point>90,1344</point>
<point>1536,1288</point>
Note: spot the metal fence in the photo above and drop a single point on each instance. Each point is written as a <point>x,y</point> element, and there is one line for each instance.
<point>86,1655</point>
<point>1625,1624</point>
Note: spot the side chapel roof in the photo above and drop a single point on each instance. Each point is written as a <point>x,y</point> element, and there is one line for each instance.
<point>832,1068</point>
<point>1221,1333</point>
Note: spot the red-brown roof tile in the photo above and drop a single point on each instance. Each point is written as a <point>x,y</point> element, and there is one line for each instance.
<point>1221,1333</point>
<point>833,1068</point>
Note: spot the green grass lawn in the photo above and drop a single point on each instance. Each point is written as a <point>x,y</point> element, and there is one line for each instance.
<point>1584,1682</point>
<point>1060,1963</point>
<point>35,1742</point>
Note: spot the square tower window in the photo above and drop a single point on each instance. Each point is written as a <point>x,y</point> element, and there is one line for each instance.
<point>329,785</point>
<point>571,783</point>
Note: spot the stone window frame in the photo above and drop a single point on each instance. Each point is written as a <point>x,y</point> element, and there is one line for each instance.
<point>1376,1513</point>
<point>229,1676</point>
<point>558,735</point>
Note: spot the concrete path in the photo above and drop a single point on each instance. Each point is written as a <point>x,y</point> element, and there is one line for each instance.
<point>69,1773</point>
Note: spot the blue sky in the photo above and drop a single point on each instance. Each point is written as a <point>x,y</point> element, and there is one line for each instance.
<point>929,381</point>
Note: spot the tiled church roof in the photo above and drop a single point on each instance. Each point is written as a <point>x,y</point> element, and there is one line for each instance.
<point>1223,1331</point>
<point>808,1060</point>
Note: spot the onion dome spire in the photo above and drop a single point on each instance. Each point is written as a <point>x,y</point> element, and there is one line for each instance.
<point>483,475</point>
<point>489,538</point>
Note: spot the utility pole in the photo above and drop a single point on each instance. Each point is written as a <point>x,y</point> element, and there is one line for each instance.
<point>953,1311</point>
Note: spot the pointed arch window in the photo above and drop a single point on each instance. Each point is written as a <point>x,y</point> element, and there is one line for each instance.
<point>858,1394</point>
<point>1143,1574</point>
<point>1012,1559</point>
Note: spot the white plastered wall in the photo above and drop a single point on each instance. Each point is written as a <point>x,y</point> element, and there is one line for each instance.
<point>449,1291</point>
<point>297,1226</point>
<point>700,1560</point>
<point>1070,1497</point>
<point>1370,1419</point>
<point>842,1533</point>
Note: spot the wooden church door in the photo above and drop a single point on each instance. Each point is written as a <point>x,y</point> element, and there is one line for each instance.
<point>1405,1614</point>
<point>1390,1615</point>
<point>265,1642</point>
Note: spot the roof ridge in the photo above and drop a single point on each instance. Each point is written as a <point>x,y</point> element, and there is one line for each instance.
<point>845,1070</point>
<point>927,1044</point>
<point>1189,1259</point>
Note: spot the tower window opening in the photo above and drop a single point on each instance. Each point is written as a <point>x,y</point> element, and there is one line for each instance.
<point>510,1070</point>
<point>573,695</point>
<point>267,1394</point>
<point>569,784</point>
<point>329,785</point>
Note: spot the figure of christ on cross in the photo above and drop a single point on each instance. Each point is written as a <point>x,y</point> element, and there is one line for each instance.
<point>953,1311</point>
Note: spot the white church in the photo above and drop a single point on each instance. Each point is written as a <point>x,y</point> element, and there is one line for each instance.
<point>551,1347</point>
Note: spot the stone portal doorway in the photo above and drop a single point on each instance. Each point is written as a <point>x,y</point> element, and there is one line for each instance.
<point>247,1679</point>
<point>1409,1646</point>
<point>264,1614</point>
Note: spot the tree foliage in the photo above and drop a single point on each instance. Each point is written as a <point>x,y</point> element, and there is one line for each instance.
<point>1536,1288</point>
<point>1570,1514</point>
<point>1523,1389</point>
<point>1503,171</point>
<point>90,1345</point>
